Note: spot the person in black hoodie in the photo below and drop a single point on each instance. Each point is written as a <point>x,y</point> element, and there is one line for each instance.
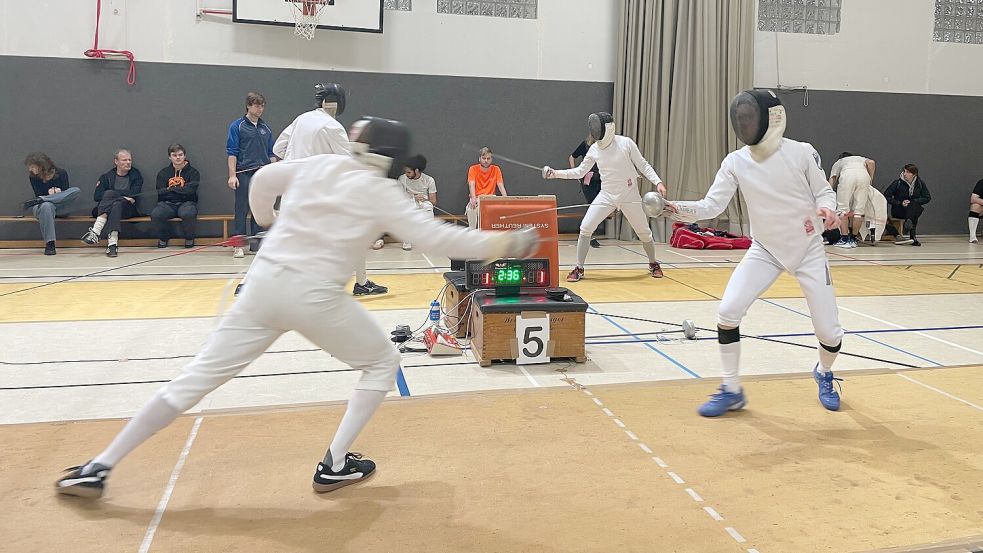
<point>116,193</point>
<point>907,197</point>
<point>177,196</point>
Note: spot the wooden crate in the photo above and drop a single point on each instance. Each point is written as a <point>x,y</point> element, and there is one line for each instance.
<point>493,333</point>
<point>457,301</point>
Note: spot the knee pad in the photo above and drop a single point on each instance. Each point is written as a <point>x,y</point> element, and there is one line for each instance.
<point>831,349</point>
<point>974,215</point>
<point>728,335</point>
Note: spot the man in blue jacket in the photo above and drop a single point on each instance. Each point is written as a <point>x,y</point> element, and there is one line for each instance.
<point>249,146</point>
<point>116,193</point>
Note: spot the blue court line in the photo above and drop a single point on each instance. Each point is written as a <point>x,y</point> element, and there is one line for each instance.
<point>650,346</point>
<point>404,390</point>
<point>878,342</point>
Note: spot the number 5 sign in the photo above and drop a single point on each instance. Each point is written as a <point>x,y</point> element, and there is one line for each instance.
<point>532,333</point>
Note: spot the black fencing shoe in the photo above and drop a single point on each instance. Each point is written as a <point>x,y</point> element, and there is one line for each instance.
<point>88,480</point>
<point>112,251</point>
<point>49,248</point>
<point>355,470</point>
<point>368,289</point>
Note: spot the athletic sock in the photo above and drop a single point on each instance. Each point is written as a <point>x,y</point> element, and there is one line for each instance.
<point>113,237</point>
<point>97,226</point>
<point>361,407</point>
<point>154,416</point>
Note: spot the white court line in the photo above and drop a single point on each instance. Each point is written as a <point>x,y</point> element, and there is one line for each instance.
<point>692,493</point>
<point>645,448</point>
<point>676,478</point>
<point>734,534</point>
<point>148,538</point>
<point>598,402</point>
<point>607,412</point>
<point>588,392</point>
<point>693,258</point>
<point>713,514</point>
<point>934,389</point>
<point>660,462</point>
<point>753,551</point>
<point>882,321</point>
<point>619,423</point>
<point>435,269</point>
<point>631,435</point>
<point>528,376</point>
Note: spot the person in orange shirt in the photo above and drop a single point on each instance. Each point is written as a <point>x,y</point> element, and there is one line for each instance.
<point>483,178</point>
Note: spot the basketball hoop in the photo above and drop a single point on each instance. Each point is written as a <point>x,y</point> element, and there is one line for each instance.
<point>306,15</point>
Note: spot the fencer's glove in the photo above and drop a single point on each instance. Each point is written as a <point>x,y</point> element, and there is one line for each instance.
<point>522,243</point>
<point>548,172</point>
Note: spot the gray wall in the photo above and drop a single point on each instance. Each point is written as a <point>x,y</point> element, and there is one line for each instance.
<point>79,111</point>
<point>942,135</point>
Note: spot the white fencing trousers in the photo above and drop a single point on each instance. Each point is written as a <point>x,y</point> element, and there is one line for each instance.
<point>278,300</point>
<point>630,205</point>
<point>851,191</point>
<point>759,270</point>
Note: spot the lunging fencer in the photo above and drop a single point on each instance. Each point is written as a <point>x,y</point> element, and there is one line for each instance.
<point>786,193</point>
<point>620,163</point>
<point>297,283</point>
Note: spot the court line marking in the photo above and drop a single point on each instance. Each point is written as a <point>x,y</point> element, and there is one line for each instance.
<point>148,537</point>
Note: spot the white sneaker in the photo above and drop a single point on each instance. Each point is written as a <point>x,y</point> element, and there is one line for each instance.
<point>238,253</point>
<point>378,244</point>
<point>407,246</point>
<point>972,240</point>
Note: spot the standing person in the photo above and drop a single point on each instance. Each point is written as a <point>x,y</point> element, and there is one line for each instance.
<point>975,210</point>
<point>177,196</point>
<point>787,194</point>
<point>419,186</point>
<point>907,196</point>
<point>318,132</point>
<point>620,164</point>
<point>52,195</point>
<point>591,181</point>
<point>851,177</point>
<point>249,146</point>
<point>116,193</point>
<point>297,283</point>
<point>483,179</point>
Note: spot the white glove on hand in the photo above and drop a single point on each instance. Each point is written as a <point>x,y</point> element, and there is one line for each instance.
<point>522,243</point>
<point>684,212</point>
<point>548,172</point>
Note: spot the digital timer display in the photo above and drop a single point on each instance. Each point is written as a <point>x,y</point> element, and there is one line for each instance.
<point>507,274</point>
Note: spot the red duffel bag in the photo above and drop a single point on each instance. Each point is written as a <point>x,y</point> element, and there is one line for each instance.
<point>693,237</point>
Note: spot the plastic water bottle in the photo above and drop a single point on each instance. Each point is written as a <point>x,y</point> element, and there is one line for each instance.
<point>435,313</point>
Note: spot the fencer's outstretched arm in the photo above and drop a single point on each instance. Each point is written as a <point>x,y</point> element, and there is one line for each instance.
<point>642,165</point>
<point>409,224</point>
<point>721,191</point>
<point>268,183</point>
<point>576,173</point>
<point>280,146</point>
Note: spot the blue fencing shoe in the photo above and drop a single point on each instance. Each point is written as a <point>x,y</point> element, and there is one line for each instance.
<point>721,402</point>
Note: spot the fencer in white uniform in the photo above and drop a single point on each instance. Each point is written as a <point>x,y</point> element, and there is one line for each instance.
<point>852,175</point>
<point>297,283</point>
<point>620,163</point>
<point>318,132</point>
<point>789,204</point>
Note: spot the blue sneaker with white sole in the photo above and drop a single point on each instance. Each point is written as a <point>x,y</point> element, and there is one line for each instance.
<point>828,395</point>
<point>721,402</point>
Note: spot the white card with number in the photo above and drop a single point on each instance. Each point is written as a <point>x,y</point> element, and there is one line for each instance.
<point>532,334</point>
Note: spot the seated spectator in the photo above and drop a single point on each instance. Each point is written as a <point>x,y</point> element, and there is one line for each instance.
<point>116,193</point>
<point>419,186</point>
<point>975,210</point>
<point>52,195</point>
<point>907,197</point>
<point>483,179</point>
<point>851,177</point>
<point>177,196</point>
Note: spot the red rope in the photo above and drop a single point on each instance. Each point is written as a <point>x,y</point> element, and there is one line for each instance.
<point>96,52</point>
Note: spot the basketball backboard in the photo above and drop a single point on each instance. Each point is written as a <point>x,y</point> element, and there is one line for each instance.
<point>344,15</point>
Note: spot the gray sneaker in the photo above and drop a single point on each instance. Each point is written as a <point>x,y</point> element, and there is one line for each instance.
<point>902,241</point>
<point>90,237</point>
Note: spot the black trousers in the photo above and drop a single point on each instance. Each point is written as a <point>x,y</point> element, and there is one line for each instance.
<point>115,208</point>
<point>186,211</point>
<point>910,213</point>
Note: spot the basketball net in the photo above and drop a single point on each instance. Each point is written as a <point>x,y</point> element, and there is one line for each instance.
<point>306,15</point>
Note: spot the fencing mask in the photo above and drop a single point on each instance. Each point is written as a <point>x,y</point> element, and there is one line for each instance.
<point>332,93</point>
<point>381,143</point>
<point>600,127</point>
<point>758,117</point>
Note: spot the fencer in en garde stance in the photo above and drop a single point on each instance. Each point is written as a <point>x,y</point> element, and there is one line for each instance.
<point>620,163</point>
<point>297,283</point>
<point>787,194</point>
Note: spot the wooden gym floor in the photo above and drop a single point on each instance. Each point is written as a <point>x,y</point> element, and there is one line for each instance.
<point>602,456</point>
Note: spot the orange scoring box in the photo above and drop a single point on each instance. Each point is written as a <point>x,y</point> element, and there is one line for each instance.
<point>514,212</point>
